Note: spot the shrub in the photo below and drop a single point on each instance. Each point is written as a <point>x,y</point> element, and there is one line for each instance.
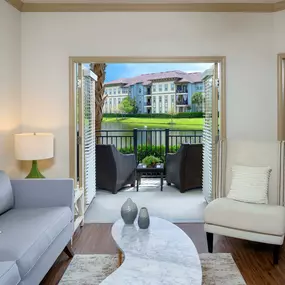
<point>150,161</point>
<point>149,150</point>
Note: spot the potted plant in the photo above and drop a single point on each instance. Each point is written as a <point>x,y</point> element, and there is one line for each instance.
<point>151,161</point>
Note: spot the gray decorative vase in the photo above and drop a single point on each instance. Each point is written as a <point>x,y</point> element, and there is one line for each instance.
<point>143,220</point>
<point>129,212</point>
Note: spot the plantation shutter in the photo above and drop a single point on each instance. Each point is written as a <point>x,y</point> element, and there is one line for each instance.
<point>89,81</point>
<point>210,133</point>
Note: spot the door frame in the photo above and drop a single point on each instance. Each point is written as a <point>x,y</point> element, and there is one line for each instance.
<point>281,124</point>
<point>170,59</point>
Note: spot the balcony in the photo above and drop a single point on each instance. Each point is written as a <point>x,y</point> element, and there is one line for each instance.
<point>181,102</point>
<point>181,91</point>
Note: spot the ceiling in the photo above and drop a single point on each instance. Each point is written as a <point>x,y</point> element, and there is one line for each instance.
<point>149,1</point>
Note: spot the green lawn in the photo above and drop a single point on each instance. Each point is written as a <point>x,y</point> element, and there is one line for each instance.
<point>190,124</point>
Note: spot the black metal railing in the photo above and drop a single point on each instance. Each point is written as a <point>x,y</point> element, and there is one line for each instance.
<point>181,90</point>
<point>182,102</point>
<point>144,142</point>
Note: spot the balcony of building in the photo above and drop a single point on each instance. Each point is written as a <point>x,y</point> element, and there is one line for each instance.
<point>148,103</point>
<point>181,100</point>
<point>148,92</point>
<point>182,89</point>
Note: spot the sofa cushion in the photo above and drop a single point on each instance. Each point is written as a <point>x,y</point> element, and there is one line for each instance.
<point>6,193</point>
<point>259,218</point>
<point>27,234</point>
<point>9,274</point>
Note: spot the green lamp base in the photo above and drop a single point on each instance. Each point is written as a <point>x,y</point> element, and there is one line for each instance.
<point>35,173</point>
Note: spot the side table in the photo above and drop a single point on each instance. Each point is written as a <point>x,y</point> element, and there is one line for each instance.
<point>143,169</point>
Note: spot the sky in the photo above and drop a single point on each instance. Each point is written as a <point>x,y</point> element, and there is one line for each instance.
<point>125,70</point>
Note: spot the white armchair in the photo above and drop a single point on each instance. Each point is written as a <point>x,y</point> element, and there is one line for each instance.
<point>256,222</point>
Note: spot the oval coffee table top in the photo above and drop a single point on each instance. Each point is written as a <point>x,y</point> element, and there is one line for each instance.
<point>162,254</point>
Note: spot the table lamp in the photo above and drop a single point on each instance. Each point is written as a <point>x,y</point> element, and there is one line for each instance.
<point>34,146</point>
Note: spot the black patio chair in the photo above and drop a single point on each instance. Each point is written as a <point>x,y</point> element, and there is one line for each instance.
<point>184,168</point>
<point>114,170</point>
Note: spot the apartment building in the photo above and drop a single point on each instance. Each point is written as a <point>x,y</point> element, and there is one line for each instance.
<point>162,92</point>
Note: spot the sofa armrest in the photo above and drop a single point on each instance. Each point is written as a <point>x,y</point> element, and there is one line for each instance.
<point>32,193</point>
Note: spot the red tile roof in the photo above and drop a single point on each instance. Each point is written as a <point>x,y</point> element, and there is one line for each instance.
<point>146,79</point>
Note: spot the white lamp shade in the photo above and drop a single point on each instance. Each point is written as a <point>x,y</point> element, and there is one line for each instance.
<point>33,146</point>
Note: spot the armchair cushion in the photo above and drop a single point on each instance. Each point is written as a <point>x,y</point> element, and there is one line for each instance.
<point>6,193</point>
<point>250,184</point>
<point>28,232</point>
<point>259,218</point>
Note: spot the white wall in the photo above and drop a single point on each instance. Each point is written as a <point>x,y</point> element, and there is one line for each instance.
<point>48,39</point>
<point>279,32</point>
<point>10,84</point>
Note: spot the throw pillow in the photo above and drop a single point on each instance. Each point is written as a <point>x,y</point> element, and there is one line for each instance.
<point>250,184</point>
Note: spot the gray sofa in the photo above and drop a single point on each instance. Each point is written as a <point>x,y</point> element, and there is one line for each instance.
<point>36,225</point>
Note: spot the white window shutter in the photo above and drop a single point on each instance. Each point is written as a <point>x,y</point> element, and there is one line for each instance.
<point>210,132</point>
<point>89,81</point>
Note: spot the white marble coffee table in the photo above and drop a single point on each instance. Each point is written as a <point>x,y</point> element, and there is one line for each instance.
<point>162,254</point>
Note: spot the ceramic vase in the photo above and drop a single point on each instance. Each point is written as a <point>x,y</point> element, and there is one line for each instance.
<point>129,212</point>
<point>143,220</point>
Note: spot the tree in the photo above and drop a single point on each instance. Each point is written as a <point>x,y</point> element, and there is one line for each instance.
<point>100,70</point>
<point>172,113</point>
<point>128,106</point>
<point>197,98</point>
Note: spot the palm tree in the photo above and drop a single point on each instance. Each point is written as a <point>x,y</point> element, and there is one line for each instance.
<point>100,70</point>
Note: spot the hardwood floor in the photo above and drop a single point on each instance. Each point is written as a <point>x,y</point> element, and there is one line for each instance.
<point>254,260</point>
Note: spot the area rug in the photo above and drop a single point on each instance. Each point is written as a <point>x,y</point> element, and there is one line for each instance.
<point>168,204</point>
<point>85,269</point>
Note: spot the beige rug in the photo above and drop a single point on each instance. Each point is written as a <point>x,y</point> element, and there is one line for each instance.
<point>85,269</point>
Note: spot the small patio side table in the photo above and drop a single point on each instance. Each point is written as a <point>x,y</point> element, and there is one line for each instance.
<point>141,168</point>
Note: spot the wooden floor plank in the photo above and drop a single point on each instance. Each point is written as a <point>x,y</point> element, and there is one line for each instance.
<point>254,260</point>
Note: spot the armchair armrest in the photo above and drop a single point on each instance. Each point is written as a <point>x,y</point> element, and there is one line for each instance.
<point>32,193</point>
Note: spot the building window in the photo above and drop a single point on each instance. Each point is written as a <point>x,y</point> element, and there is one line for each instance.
<point>119,90</point>
<point>140,90</point>
<point>172,86</point>
<point>153,88</point>
<point>160,87</point>
<point>160,104</point>
<point>172,99</point>
<point>114,90</point>
<point>110,91</point>
<point>165,87</point>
